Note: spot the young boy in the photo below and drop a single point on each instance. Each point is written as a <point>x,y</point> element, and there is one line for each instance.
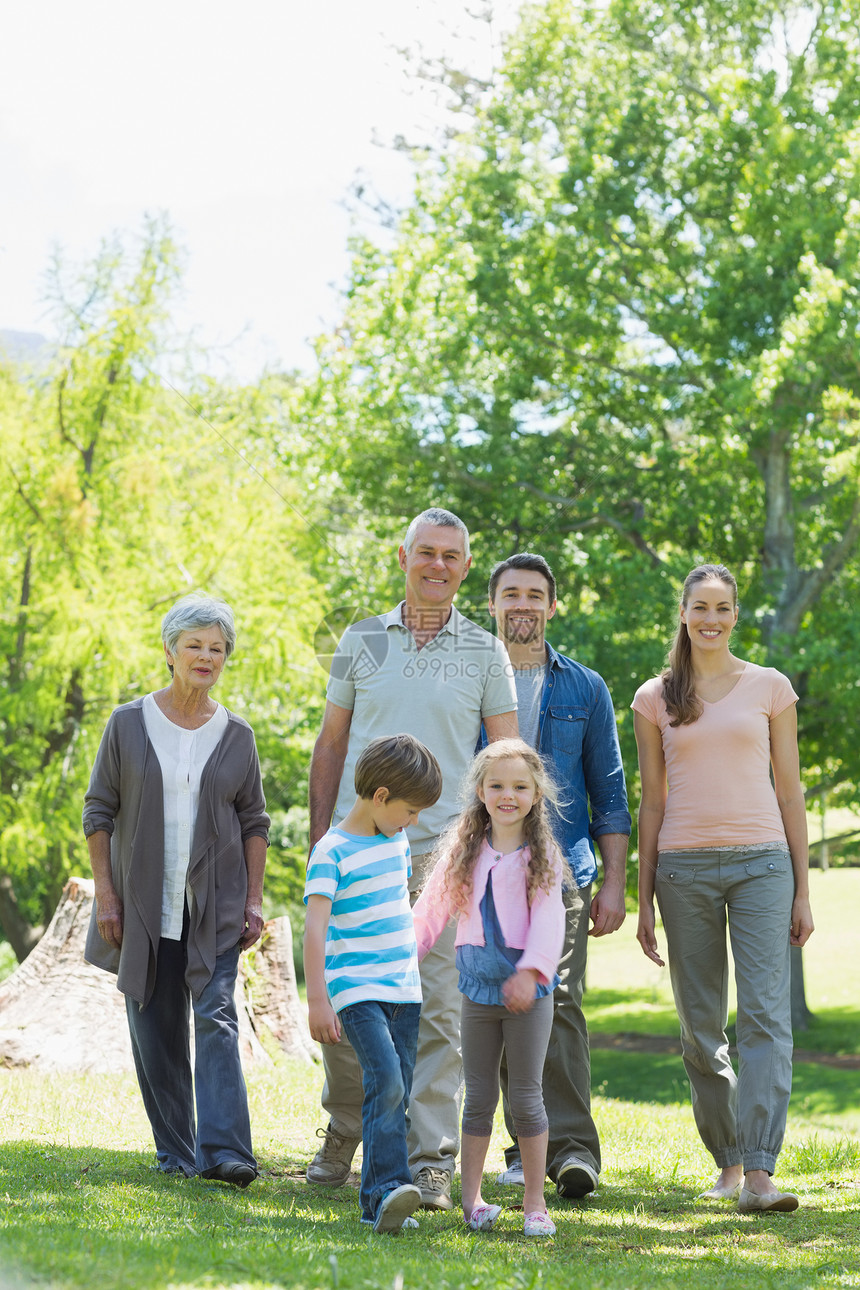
<point>361,964</point>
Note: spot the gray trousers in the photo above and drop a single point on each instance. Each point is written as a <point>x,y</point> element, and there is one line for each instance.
<point>437,1082</point>
<point>487,1030</point>
<point>741,1120</point>
<point>567,1069</point>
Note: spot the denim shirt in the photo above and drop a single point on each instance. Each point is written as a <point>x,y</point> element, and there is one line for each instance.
<point>578,739</point>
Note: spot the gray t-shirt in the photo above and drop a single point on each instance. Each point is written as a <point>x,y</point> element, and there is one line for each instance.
<point>440,694</point>
<point>529,682</point>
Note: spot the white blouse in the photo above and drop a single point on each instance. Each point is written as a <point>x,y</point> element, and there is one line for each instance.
<point>182,755</point>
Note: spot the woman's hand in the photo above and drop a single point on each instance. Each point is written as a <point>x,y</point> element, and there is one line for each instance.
<point>252,919</point>
<point>518,991</point>
<point>108,903</point>
<point>802,925</point>
<point>646,934</point>
<point>109,917</point>
<point>253,925</point>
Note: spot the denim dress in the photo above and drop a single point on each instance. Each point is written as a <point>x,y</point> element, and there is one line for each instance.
<point>485,968</point>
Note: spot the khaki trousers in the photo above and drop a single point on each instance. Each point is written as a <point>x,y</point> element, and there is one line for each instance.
<point>437,1083</point>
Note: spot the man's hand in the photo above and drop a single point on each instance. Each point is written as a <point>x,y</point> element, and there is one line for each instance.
<point>607,911</point>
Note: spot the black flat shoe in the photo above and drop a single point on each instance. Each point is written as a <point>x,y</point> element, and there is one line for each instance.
<point>236,1172</point>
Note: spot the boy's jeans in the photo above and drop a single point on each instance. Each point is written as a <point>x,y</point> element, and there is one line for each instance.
<point>385,1039</point>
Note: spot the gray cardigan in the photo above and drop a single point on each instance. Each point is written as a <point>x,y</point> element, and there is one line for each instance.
<point>125,799</point>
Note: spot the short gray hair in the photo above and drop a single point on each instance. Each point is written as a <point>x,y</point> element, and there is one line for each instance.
<point>193,612</point>
<point>442,519</point>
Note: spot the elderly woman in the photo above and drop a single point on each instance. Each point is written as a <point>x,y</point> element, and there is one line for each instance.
<point>177,830</point>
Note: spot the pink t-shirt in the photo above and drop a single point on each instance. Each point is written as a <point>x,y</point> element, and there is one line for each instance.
<point>718,768</point>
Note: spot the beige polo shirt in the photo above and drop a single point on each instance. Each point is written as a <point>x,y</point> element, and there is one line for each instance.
<point>440,694</point>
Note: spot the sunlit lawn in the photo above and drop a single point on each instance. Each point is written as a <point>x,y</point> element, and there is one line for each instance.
<point>80,1205</point>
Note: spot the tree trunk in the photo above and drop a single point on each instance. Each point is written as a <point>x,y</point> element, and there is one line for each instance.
<point>271,985</point>
<point>800,1014</point>
<point>59,1013</point>
<point>18,932</point>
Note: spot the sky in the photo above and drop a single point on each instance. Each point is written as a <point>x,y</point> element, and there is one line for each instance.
<point>245,123</point>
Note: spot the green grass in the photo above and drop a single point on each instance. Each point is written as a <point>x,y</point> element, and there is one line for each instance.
<point>628,993</point>
<point>8,962</point>
<point>81,1207</point>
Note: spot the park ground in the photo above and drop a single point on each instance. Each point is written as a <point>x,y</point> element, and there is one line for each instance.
<point>80,1205</point>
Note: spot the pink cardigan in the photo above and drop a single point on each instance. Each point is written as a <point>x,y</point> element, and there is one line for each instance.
<point>537,931</point>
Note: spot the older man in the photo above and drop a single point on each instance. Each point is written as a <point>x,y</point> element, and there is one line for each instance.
<point>565,711</point>
<point>423,669</point>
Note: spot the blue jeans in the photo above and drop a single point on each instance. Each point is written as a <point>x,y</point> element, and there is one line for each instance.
<point>160,1042</point>
<point>385,1039</point>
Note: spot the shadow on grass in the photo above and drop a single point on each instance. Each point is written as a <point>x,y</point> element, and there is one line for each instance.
<point>654,1077</point>
<point>610,1011</point>
<point>832,1030</point>
<point>88,1217</point>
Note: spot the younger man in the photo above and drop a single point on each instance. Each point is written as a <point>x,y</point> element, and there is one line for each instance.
<point>361,964</point>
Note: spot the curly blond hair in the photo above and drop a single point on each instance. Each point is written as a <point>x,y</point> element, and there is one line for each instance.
<point>457,850</point>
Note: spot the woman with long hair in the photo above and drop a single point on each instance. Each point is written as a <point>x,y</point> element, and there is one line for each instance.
<point>500,872</point>
<point>720,842</point>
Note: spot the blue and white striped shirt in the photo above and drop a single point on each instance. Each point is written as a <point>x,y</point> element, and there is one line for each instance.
<point>370,952</point>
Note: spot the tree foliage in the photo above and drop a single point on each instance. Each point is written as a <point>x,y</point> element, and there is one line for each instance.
<point>618,323</point>
<point>122,491</point>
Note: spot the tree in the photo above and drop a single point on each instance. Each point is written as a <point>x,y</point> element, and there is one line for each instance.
<point>618,323</point>
<point>125,487</point>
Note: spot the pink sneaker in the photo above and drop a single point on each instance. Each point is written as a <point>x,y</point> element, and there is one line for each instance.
<point>539,1223</point>
<point>484,1218</point>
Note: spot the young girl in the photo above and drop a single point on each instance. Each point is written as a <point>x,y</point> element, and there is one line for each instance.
<point>500,872</point>
<point>719,842</point>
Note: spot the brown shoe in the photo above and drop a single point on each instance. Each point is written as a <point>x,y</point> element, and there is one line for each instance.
<point>331,1165</point>
<point>435,1188</point>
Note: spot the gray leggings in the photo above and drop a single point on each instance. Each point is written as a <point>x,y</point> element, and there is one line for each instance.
<point>487,1029</point>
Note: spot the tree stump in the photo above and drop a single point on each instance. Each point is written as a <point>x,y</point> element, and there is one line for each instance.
<point>270,987</point>
<point>59,1013</point>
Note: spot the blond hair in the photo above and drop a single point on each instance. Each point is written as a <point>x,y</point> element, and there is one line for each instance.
<point>458,848</point>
